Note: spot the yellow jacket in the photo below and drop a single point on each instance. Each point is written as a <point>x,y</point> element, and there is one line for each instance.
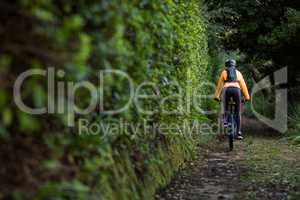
<point>240,84</point>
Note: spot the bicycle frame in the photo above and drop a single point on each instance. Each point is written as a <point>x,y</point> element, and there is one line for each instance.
<point>229,123</point>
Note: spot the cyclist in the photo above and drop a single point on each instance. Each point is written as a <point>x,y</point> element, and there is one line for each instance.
<point>231,83</point>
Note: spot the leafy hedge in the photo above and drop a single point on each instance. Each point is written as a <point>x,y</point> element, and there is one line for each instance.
<point>151,40</point>
<point>293,133</point>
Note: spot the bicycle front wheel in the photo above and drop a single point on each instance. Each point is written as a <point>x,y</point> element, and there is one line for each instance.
<point>231,138</point>
<point>232,132</point>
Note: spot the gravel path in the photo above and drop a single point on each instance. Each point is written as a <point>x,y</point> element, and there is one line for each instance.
<point>217,174</point>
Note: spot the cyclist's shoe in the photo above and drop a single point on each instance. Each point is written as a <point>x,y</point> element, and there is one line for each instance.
<point>239,137</point>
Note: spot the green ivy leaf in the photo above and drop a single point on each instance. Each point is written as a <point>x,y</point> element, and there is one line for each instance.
<point>7,117</point>
<point>28,123</point>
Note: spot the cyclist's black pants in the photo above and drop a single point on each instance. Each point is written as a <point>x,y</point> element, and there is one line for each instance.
<point>235,94</point>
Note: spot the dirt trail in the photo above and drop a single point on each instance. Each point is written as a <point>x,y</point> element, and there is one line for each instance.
<point>258,168</point>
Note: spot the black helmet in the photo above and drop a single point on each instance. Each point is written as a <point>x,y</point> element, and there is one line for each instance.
<point>230,63</point>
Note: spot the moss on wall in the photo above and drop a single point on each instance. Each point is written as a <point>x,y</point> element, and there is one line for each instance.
<point>151,40</point>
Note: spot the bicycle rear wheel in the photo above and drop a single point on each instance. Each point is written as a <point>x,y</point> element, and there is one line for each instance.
<point>231,132</point>
<point>231,138</point>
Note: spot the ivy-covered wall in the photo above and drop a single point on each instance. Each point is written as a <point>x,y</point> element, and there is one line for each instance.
<point>150,40</point>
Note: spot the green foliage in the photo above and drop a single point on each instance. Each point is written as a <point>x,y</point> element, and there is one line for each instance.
<point>149,40</point>
<point>267,32</point>
<point>294,126</point>
<point>261,104</point>
<point>272,164</point>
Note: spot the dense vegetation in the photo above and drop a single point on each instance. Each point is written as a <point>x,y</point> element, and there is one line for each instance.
<point>150,40</point>
<point>266,32</point>
<point>264,35</point>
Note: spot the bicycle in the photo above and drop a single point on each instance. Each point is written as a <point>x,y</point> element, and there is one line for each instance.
<point>229,123</point>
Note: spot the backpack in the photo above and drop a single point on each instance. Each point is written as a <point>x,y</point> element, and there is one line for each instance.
<point>231,74</point>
